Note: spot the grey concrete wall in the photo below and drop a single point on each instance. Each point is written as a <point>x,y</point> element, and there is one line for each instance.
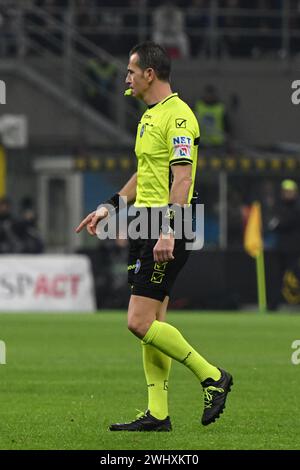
<point>266,114</point>
<point>48,118</point>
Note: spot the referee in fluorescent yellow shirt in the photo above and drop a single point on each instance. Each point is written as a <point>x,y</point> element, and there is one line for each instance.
<point>166,151</point>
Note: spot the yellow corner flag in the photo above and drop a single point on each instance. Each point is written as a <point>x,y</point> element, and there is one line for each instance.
<point>253,243</point>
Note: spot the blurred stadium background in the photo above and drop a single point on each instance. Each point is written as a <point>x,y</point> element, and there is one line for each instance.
<point>67,132</point>
<point>67,136</point>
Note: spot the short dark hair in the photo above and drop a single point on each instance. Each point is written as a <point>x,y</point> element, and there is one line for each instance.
<point>154,56</point>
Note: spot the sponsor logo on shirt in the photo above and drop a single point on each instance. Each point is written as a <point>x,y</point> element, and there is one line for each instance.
<point>142,130</point>
<point>182,146</point>
<point>180,123</point>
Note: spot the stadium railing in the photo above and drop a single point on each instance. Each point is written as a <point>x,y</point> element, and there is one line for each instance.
<point>213,30</point>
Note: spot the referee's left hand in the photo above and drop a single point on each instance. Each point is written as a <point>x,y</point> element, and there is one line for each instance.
<point>164,247</point>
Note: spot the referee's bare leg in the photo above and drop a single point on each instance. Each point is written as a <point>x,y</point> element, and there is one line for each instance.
<point>143,321</point>
<point>156,365</point>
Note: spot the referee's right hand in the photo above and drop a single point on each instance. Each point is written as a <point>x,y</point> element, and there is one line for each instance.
<point>91,220</point>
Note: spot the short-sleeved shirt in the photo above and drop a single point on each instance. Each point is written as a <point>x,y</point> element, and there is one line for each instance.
<point>167,134</point>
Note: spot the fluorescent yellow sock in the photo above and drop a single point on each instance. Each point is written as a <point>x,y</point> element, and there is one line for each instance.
<point>157,368</point>
<point>170,341</point>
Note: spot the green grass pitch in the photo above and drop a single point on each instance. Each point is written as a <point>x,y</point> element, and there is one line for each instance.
<point>69,376</point>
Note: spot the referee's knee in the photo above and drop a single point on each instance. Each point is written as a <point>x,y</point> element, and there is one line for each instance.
<point>138,327</point>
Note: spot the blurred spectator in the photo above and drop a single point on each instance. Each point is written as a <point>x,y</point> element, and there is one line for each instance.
<point>169,29</point>
<point>267,197</point>
<point>101,81</point>
<point>54,13</point>
<point>215,129</point>
<point>237,42</point>
<point>111,23</point>
<point>4,34</point>
<point>26,228</point>
<point>294,25</point>
<point>235,219</point>
<point>291,283</point>
<point>198,21</point>
<point>9,240</point>
<point>286,223</point>
<point>9,29</point>
<point>82,9</point>
<point>231,22</point>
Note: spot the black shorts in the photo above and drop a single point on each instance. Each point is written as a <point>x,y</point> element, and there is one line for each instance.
<point>150,279</point>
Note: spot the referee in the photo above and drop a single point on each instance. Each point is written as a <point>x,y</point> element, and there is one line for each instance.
<point>166,150</point>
